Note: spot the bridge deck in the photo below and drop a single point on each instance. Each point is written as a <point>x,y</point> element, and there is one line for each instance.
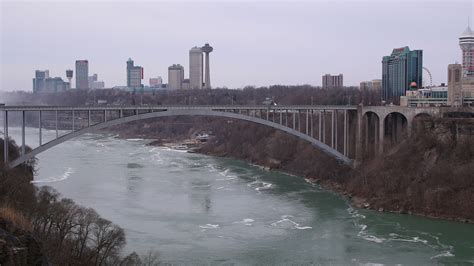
<point>177,107</point>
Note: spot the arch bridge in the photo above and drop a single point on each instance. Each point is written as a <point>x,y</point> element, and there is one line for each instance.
<point>337,130</point>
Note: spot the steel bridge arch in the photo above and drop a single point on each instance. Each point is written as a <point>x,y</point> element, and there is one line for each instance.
<point>181,112</point>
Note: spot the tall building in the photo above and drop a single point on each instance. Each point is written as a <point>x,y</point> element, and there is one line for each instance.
<point>156,82</point>
<point>55,84</point>
<point>94,82</point>
<point>399,70</point>
<point>195,68</point>
<point>82,74</point>
<point>91,80</point>
<point>69,74</point>
<point>39,80</point>
<point>375,85</point>
<point>134,75</point>
<point>330,81</point>
<point>466,42</point>
<point>206,49</point>
<point>175,77</point>
<point>455,84</point>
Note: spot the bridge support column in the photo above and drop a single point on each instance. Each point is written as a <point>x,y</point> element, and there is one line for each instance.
<point>358,155</point>
<point>323,122</point>
<point>320,126</point>
<point>281,118</point>
<point>307,122</point>
<point>345,133</point>
<point>89,118</point>
<point>73,118</point>
<point>5,137</point>
<point>299,120</point>
<point>311,117</point>
<point>335,130</point>
<point>381,132</point>
<point>57,134</point>
<point>40,128</point>
<point>23,120</point>
<point>294,120</point>
<point>332,129</point>
<point>286,118</point>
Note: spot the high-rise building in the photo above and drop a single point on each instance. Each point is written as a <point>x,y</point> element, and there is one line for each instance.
<point>466,42</point>
<point>91,80</point>
<point>375,85</point>
<point>69,74</point>
<point>55,84</point>
<point>39,80</point>
<point>156,82</point>
<point>206,49</point>
<point>82,74</point>
<point>330,81</point>
<point>455,84</point>
<point>399,70</point>
<point>134,75</point>
<point>175,77</point>
<point>195,68</point>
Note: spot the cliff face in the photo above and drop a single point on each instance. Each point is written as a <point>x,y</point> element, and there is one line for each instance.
<point>19,246</point>
<point>431,173</point>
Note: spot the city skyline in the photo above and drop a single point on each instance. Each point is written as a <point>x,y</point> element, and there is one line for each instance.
<point>238,61</point>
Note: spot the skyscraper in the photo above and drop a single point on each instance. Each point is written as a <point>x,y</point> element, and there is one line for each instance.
<point>134,75</point>
<point>39,80</point>
<point>207,49</point>
<point>175,77</point>
<point>82,74</point>
<point>454,85</point>
<point>399,70</point>
<point>195,68</point>
<point>330,81</point>
<point>466,42</point>
<point>69,74</point>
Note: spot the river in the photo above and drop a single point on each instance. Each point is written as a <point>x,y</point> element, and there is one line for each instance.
<point>193,209</point>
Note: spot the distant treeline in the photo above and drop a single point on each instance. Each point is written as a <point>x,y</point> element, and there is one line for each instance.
<point>303,95</point>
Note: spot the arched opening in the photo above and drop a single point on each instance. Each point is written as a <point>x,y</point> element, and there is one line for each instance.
<point>395,129</point>
<point>370,134</point>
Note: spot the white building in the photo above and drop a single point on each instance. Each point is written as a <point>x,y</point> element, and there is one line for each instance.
<point>175,77</point>
<point>195,68</point>
<point>156,82</point>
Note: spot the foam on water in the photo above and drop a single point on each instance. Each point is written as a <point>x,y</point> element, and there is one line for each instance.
<point>260,185</point>
<point>246,221</point>
<point>287,223</point>
<point>209,226</point>
<point>444,254</point>
<point>63,177</point>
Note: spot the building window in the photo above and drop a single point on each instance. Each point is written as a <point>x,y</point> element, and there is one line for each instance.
<point>457,75</point>
<point>450,78</point>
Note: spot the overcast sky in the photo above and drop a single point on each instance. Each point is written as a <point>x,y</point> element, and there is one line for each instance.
<point>255,43</point>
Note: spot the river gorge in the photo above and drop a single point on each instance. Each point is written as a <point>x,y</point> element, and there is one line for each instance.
<point>194,208</point>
